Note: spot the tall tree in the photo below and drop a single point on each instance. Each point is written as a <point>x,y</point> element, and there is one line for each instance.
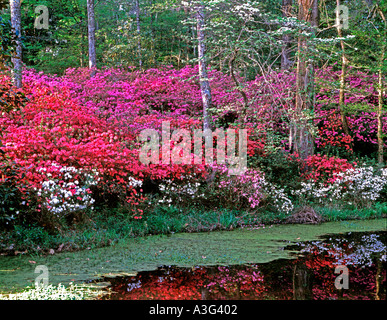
<point>344,62</point>
<point>286,38</point>
<point>17,57</point>
<point>138,32</point>
<point>91,29</point>
<point>301,139</point>
<point>203,75</point>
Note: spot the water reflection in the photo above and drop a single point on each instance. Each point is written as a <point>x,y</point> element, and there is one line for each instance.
<point>309,276</point>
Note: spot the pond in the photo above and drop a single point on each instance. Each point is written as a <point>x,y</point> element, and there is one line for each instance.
<point>261,262</point>
<point>311,275</point>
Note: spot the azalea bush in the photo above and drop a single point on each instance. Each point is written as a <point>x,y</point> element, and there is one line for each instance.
<point>65,190</point>
<point>241,191</point>
<point>249,191</point>
<point>325,169</point>
<point>359,186</point>
<point>184,191</point>
<point>360,108</point>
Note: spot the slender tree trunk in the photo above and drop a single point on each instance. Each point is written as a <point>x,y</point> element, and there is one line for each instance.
<point>344,61</point>
<point>285,55</point>
<point>203,75</point>
<point>302,283</point>
<point>91,32</point>
<point>193,37</point>
<point>17,58</point>
<point>138,33</point>
<point>300,134</point>
<point>378,279</point>
<point>233,76</point>
<point>204,293</point>
<point>82,45</point>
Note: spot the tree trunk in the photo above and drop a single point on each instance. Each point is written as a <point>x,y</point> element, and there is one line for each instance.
<point>300,131</point>
<point>344,61</point>
<point>233,76</point>
<point>285,55</point>
<point>193,37</point>
<point>203,75</point>
<point>17,57</point>
<point>82,45</point>
<point>378,279</point>
<point>204,293</point>
<point>138,33</point>
<point>91,32</point>
<point>302,283</point>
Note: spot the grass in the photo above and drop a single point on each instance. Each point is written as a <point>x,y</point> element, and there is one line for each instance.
<point>105,228</point>
<point>379,210</point>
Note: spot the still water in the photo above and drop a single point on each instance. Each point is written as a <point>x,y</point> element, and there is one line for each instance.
<point>310,275</point>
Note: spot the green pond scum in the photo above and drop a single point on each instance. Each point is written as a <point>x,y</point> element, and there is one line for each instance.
<point>240,246</point>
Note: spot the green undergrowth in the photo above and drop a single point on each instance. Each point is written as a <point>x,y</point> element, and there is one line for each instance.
<point>107,227</point>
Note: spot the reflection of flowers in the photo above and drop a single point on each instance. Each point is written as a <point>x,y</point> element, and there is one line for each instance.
<point>188,284</point>
<point>244,282</point>
<point>350,253</point>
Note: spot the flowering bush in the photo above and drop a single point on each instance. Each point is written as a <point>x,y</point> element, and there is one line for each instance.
<point>358,186</point>
<point>242,191</point>
<point>277,198</point>
<point>182,191</point>
<point>248,191</point>
<point>66,189</point>
<point>325,169</point>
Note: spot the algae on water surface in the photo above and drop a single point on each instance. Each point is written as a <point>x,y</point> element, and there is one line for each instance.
<point>183,249</point>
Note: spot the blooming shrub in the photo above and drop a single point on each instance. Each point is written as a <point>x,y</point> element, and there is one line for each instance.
<point>358,186</point>
<point>128,96</point>
<point>181,191</point>
<point>248,191</point>
<point>330,132</point>
<point>324,168</point>
<point>241,191</point>
<point>66,189</point>
<point>277,198</point>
